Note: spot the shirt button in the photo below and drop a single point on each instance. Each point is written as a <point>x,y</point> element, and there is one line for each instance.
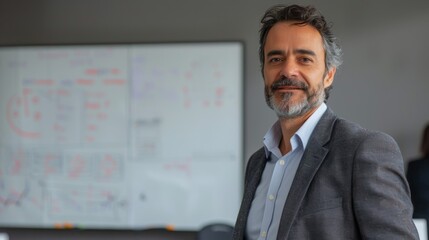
<point>271,197</point>
<point>263,234</point>
<point>282,162</point>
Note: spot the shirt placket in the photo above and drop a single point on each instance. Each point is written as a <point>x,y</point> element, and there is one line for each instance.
<point>276,180</point>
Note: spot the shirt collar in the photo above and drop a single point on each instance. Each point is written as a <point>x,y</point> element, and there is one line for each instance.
<point>273,136</point>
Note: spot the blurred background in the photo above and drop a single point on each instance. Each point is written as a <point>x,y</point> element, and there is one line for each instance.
<point>382,84</point>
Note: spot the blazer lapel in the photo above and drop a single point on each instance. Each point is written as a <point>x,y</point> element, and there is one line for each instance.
<point>256,167</point>
<point>313,156</point>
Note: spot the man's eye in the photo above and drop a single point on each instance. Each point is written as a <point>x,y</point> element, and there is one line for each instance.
<point>275,60</point>
<point>306,60</point>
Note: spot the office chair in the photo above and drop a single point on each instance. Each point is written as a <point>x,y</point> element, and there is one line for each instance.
<point>215,231</point>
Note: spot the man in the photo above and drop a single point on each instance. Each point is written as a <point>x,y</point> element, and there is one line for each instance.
<point>317,176</point>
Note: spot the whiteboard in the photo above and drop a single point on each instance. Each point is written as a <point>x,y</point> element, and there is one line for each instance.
<point>121,136</point>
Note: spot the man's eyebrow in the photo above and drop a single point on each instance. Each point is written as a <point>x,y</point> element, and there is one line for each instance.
<point>304,51</point>
<point>296,51</point>
<point>275,52</point>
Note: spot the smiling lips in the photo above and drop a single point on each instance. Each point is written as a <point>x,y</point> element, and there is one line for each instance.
<point>288,88</point>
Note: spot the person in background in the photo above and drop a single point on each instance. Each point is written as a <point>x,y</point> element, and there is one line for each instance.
<point>418,179</point>
<point>317,176</point>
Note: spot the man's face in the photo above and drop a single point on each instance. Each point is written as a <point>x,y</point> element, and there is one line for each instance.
<point>294,69</point>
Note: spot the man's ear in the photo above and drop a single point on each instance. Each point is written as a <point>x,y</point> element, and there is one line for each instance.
<point>329,77</point>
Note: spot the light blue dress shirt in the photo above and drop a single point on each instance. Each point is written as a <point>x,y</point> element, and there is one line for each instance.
<point>271,194</point>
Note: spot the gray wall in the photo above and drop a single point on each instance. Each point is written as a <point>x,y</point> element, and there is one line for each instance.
<point>382,84</point>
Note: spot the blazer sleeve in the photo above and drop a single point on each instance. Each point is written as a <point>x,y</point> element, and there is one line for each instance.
<point>381,196</point>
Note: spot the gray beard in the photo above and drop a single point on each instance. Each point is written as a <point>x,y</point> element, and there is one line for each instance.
<point>286,110</point>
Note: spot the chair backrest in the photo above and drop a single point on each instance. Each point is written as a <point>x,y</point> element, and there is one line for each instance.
<point>215,231</point>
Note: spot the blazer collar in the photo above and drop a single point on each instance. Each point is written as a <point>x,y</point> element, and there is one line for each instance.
<point>314,155</point>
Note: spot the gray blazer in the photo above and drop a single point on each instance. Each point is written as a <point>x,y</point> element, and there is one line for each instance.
<point>350,184</point>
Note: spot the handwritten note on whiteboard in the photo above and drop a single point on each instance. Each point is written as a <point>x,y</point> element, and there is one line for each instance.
<point>121,136</point>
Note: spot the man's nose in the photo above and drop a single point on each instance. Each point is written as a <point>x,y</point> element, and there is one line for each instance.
<point>289,69</point>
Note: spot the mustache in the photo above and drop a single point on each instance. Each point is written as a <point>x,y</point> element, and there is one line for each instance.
<point>288,82</point>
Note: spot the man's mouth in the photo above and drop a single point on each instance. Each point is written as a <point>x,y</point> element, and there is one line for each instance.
<point>287,84</point>
<point>287,88</point>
